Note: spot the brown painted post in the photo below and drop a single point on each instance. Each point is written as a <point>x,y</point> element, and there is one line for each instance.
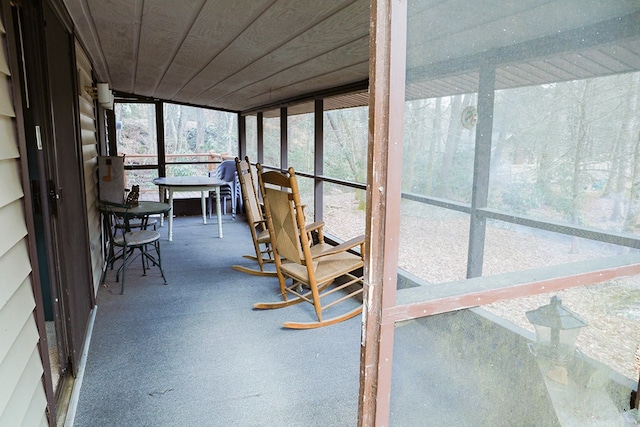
<point>386,110</point>
<point>162,158</point>
<point>242,136</point>
<point>481,170</point>
<point>284,139</point>
<point>318,166</point>
<point>260,136</point>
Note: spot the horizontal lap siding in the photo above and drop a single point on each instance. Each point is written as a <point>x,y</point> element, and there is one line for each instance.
<point>90,161</point>
<point>22,396</point>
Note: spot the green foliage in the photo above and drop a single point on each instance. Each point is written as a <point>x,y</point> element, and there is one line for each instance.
<point>520,197</point>
<point>346,143</point>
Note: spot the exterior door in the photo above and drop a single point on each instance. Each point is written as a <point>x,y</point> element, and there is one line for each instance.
<point>51,121</point>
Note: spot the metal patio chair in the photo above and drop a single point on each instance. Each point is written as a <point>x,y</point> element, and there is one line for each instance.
<point>124,243</point>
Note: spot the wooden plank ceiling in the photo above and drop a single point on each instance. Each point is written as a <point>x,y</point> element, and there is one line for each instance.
<point>228,54</point>
<point>240,55</point>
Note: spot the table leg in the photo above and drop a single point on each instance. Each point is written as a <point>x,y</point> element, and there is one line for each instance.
<point>161,197</point>
<point>204,209</point>
<point>219,212</point>
<point>170,215</point>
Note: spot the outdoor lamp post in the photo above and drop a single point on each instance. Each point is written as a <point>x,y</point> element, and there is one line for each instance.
<point>557,328</point>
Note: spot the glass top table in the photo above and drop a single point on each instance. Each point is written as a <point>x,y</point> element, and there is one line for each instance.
<point>142,210</point>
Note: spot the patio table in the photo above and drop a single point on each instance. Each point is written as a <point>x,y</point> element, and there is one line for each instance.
<point>202,184</point>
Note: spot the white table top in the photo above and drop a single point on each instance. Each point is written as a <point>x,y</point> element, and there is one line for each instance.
<point>188,181</point>
<point>203,184</point>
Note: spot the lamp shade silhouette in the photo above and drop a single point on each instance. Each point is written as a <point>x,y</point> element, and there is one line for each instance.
<point>557,329</point>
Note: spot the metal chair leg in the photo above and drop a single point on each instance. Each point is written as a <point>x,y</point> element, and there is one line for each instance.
<point>157,246</point>
<point>124,267</point>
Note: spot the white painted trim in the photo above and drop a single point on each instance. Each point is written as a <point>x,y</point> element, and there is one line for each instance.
<point>75,394</point>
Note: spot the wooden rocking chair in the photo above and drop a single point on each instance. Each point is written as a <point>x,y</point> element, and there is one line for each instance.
<point>323,269</point>
<point>256,220</point>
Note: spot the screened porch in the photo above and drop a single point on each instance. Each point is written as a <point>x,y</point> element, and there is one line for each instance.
<point>487,183</point>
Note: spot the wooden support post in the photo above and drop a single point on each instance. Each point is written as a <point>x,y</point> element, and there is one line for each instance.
<point>386,111</point>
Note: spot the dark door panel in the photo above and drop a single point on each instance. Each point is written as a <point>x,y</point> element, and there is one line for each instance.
<point>66,186</point>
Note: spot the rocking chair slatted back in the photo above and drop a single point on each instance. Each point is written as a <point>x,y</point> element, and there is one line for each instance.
<point>256,220</point>
<point>321,268</point>
<point>249,194</point>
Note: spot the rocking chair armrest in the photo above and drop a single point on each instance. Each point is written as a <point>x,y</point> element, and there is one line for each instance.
<point>314,226</point>
<point>342,247</point>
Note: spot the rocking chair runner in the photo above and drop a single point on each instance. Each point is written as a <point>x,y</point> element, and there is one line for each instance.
<point>256,220</point>
<point>316,267</point>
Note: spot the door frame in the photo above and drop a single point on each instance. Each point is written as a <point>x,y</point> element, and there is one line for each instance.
<point>42,98</point>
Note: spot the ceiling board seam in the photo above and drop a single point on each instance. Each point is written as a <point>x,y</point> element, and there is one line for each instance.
<point>630,54</point>
<point>562,74</point>
<point>486,23</point>
<point>172,58</point>
<point>595,56</point>
<point>196,73</point>
<point>137,25</point>
<point>333,71</point>
<point>508,78</point>
<point>86,11</point>
<point>570,67</point>
<point>354,87</point>
<point>291,37</point>
<point>284,69</point>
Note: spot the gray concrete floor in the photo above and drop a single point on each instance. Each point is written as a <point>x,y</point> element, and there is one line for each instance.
<point>195,353</point>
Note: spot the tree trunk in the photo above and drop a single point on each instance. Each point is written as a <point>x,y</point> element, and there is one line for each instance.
<point>633,212</point>
<point>179,130</point>
<point>344,129</point>
<point>581,135</point>
<point>170,130</point>
<point>631,112</point>
<point>614,171</point>
<point>434,144</point>
<point>621,166</point>
<point>231,126</point>
<point>444,185</point>
<point>627,160</point>
<point>151,119</point>
<point>411,145</point>
<point>200,130</point>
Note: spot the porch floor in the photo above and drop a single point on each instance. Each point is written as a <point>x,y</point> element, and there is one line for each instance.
<point>196,353</point>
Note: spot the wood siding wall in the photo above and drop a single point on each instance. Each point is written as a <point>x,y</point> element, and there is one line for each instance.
<point>90,160</point>
<point>22,394</point>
